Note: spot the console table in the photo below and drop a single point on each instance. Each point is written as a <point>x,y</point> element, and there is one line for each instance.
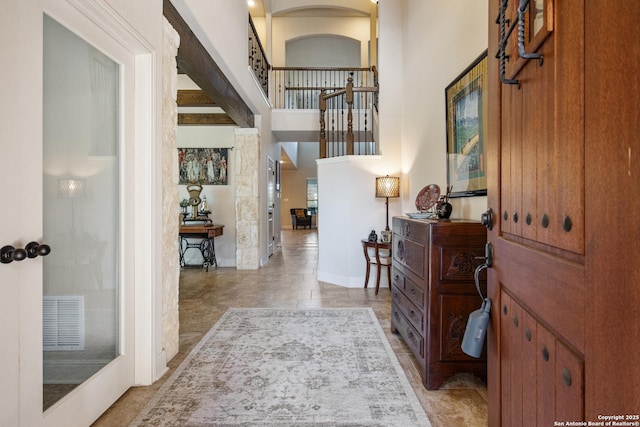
<point>201,237</point>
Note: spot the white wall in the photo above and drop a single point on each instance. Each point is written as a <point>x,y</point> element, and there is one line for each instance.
<point>323,51</point>
<point>288,28</point>
<point>439,40</point>
<point>349,211</point>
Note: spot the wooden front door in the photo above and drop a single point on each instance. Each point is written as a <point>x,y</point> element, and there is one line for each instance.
<point>559,283</point>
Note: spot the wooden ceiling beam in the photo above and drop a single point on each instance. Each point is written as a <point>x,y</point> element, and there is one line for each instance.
<point>197,63</point>
<point>205,119</point>
<point>194,98</point>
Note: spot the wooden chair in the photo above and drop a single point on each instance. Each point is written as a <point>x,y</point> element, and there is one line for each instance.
<point>381,258</point>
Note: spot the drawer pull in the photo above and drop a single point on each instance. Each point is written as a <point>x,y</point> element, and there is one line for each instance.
<point>411,336</point>
<point>396,297</point>
<point>527,334</point>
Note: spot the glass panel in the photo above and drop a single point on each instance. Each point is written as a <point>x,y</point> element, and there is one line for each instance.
<point>537,9</point>
<point>81,211</point>
<point>312,196</point>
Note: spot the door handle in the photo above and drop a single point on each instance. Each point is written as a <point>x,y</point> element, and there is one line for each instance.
<point>8,253</point>
<point>34,249</point>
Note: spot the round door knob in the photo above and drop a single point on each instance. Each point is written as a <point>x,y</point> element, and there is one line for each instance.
<point>34,249</point>
<point>19,254</point>
<point>9,254</point>
<point>44,250</point>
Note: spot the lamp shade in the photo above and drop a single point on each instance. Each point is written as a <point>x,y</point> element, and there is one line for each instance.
<point>387,186</point>
<point>71,188</point>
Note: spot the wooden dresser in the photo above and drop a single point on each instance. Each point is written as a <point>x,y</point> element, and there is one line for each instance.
<point>434,292</point>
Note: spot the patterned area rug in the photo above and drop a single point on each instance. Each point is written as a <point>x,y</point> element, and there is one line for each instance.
<point>279,367</point>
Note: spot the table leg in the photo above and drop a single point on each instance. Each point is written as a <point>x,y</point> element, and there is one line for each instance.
<point>208,250</point>
<point>181,250</point>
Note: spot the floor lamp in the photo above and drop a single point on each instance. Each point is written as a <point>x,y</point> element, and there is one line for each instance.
<point>387,186</point>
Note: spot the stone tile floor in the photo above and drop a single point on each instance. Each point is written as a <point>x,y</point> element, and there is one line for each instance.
<point>289,280</point>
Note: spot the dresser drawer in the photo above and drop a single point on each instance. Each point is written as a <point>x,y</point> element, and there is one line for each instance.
<point>409,334</point>
<point>416,230</point>
<point>410,311</point>
<point>409,254</point>
<point>413,291</point>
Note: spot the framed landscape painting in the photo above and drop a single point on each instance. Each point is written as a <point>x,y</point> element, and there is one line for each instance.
<point>466,107</point>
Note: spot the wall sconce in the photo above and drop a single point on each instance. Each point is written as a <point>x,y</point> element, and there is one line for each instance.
<point>387,186</point>
<point>69,188</point>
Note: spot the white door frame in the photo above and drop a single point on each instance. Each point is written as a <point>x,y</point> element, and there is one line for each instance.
<point>150,362</point>
<point>271,205</point>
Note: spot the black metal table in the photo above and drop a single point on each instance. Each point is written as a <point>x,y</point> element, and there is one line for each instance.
<point>199,237</point>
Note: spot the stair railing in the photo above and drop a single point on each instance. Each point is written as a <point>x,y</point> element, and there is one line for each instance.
<point>258,61</point>
<point>335,139</point>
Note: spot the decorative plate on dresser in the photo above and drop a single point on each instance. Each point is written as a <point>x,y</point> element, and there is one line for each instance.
<point>427,197</point>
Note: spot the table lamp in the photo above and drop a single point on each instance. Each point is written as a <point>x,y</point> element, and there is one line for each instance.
<point>387,186</point>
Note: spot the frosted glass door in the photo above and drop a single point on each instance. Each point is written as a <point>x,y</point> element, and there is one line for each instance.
<point>81,193</point>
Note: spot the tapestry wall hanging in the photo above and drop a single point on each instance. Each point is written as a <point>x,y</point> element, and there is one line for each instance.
<point>204,166</point>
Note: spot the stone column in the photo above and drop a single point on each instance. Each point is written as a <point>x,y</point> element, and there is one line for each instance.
<point>170,197</point>
<point>247,175</point>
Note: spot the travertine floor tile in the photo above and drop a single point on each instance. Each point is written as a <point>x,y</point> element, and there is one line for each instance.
<point>289,281</point>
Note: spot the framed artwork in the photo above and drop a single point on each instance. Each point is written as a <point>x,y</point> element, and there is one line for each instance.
<point>204,166</point>
<point>466,108</point>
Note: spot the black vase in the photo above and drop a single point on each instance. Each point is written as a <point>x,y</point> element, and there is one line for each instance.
<point>444,210</point>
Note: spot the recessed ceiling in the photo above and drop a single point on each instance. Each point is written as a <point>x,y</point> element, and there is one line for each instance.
<point>322,12</point>
<point>315,9</point>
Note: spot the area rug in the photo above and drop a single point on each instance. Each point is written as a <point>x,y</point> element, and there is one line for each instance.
<point>281,367</point>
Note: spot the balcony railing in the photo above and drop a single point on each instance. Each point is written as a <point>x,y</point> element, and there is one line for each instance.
<point>299,88</point>
<point>258,59</point>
